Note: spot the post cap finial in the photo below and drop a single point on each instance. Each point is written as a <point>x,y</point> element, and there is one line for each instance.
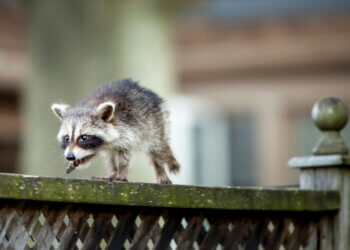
<point>330,114</point>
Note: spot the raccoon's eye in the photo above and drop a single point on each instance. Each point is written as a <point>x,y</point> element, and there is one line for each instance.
<point>83,138</point>
<point>66,138</point>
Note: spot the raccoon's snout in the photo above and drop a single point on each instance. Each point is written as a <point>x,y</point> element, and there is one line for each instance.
<point>70,157</point>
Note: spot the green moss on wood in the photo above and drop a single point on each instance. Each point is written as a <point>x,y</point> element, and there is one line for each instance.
<point>154,195</point>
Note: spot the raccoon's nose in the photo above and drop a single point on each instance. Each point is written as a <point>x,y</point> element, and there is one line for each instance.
<point>70,157</point>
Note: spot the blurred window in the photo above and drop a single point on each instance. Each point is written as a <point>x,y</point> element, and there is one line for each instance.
<point>242,158</point>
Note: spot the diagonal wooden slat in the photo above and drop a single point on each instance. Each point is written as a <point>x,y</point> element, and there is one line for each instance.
<point>109,230</point>
<point>215,233</point>
<point>24,227</point>
<point>172,223</point>
<point>258,227</point>
<point>190,234</point>
<point>143,233</point>
<point>280,233</point>
<point>203,231</point>
<point>297,238</point>
<point>85,229</point>
<point>61,231</point>
<point>12,227</point>
<point>126,221</point>
<point>3,215</point>
<point>8,216</point>
<point>96,231</point>
<point>53,222</point>
<point>155,232</point>
<point>179,231</point>
<point>240,232</point>
<point>71,234</point>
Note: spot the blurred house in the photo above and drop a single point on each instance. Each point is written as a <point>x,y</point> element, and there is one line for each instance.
<point>13,45</point>
<point>265,63</point>
<point>245,73</point>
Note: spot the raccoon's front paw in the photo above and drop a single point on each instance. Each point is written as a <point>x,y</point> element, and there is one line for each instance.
<point>121,179</point>
<point>164,181</point>
<point>114,177</point>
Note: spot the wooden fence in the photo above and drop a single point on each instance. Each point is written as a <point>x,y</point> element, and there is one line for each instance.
<point>57,213</point>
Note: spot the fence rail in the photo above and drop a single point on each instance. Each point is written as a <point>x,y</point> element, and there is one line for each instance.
<point>49,213</point>
<point>14,186</point>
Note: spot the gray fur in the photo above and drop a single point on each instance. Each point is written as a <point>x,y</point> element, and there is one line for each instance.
<point>119,118</point>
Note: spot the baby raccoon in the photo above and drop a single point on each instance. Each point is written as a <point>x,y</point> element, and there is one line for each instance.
<point>120,118</point>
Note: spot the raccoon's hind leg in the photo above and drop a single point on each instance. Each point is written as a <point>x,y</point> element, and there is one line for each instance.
<point>160,157</point>
<point>173,165</point>
<point>158,163</point>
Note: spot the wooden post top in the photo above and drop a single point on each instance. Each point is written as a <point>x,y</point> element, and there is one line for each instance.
<point>330,116</point>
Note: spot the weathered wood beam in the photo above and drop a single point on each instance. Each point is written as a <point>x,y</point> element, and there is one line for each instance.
<point>14,186</point>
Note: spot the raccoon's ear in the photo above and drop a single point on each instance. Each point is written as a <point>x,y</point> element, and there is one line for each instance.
<point>60,109</point>
<point>105,111</point>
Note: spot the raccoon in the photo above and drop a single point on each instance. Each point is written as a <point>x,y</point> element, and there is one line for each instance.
<point>119,119</point>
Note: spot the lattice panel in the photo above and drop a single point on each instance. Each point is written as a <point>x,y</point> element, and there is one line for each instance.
<point>36,225</point>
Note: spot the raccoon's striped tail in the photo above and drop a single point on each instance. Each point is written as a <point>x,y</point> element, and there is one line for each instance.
<point>173,165</point>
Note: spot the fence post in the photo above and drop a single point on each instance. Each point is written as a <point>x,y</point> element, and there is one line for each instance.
<point>328,168</point>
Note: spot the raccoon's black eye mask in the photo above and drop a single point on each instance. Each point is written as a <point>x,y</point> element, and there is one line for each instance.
<point>89,141</point>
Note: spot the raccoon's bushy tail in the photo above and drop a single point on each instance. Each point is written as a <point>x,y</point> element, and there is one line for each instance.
<point>173,165</point>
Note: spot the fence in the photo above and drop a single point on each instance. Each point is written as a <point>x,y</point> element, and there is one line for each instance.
<point>57,213</point>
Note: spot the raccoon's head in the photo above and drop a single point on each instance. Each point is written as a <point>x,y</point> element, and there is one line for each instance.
<point>85,131</point>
